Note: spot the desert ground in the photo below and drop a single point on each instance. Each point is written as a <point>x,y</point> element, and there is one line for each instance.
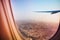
<point>37,30</point>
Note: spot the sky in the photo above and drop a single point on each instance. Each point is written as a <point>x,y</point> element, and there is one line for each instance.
<point>23,9</point>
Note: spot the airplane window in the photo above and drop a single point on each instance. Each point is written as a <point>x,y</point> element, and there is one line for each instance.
<point>37,19</point>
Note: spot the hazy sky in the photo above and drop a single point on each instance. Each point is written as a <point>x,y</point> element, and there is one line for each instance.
<point>23,9</point>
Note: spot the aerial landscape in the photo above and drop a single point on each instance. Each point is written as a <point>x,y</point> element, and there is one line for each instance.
<point>37,30</point>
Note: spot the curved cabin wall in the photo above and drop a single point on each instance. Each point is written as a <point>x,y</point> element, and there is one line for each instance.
<point>8,30</point>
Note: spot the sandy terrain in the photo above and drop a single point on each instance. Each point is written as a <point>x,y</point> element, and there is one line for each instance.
<point>37,30</point>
